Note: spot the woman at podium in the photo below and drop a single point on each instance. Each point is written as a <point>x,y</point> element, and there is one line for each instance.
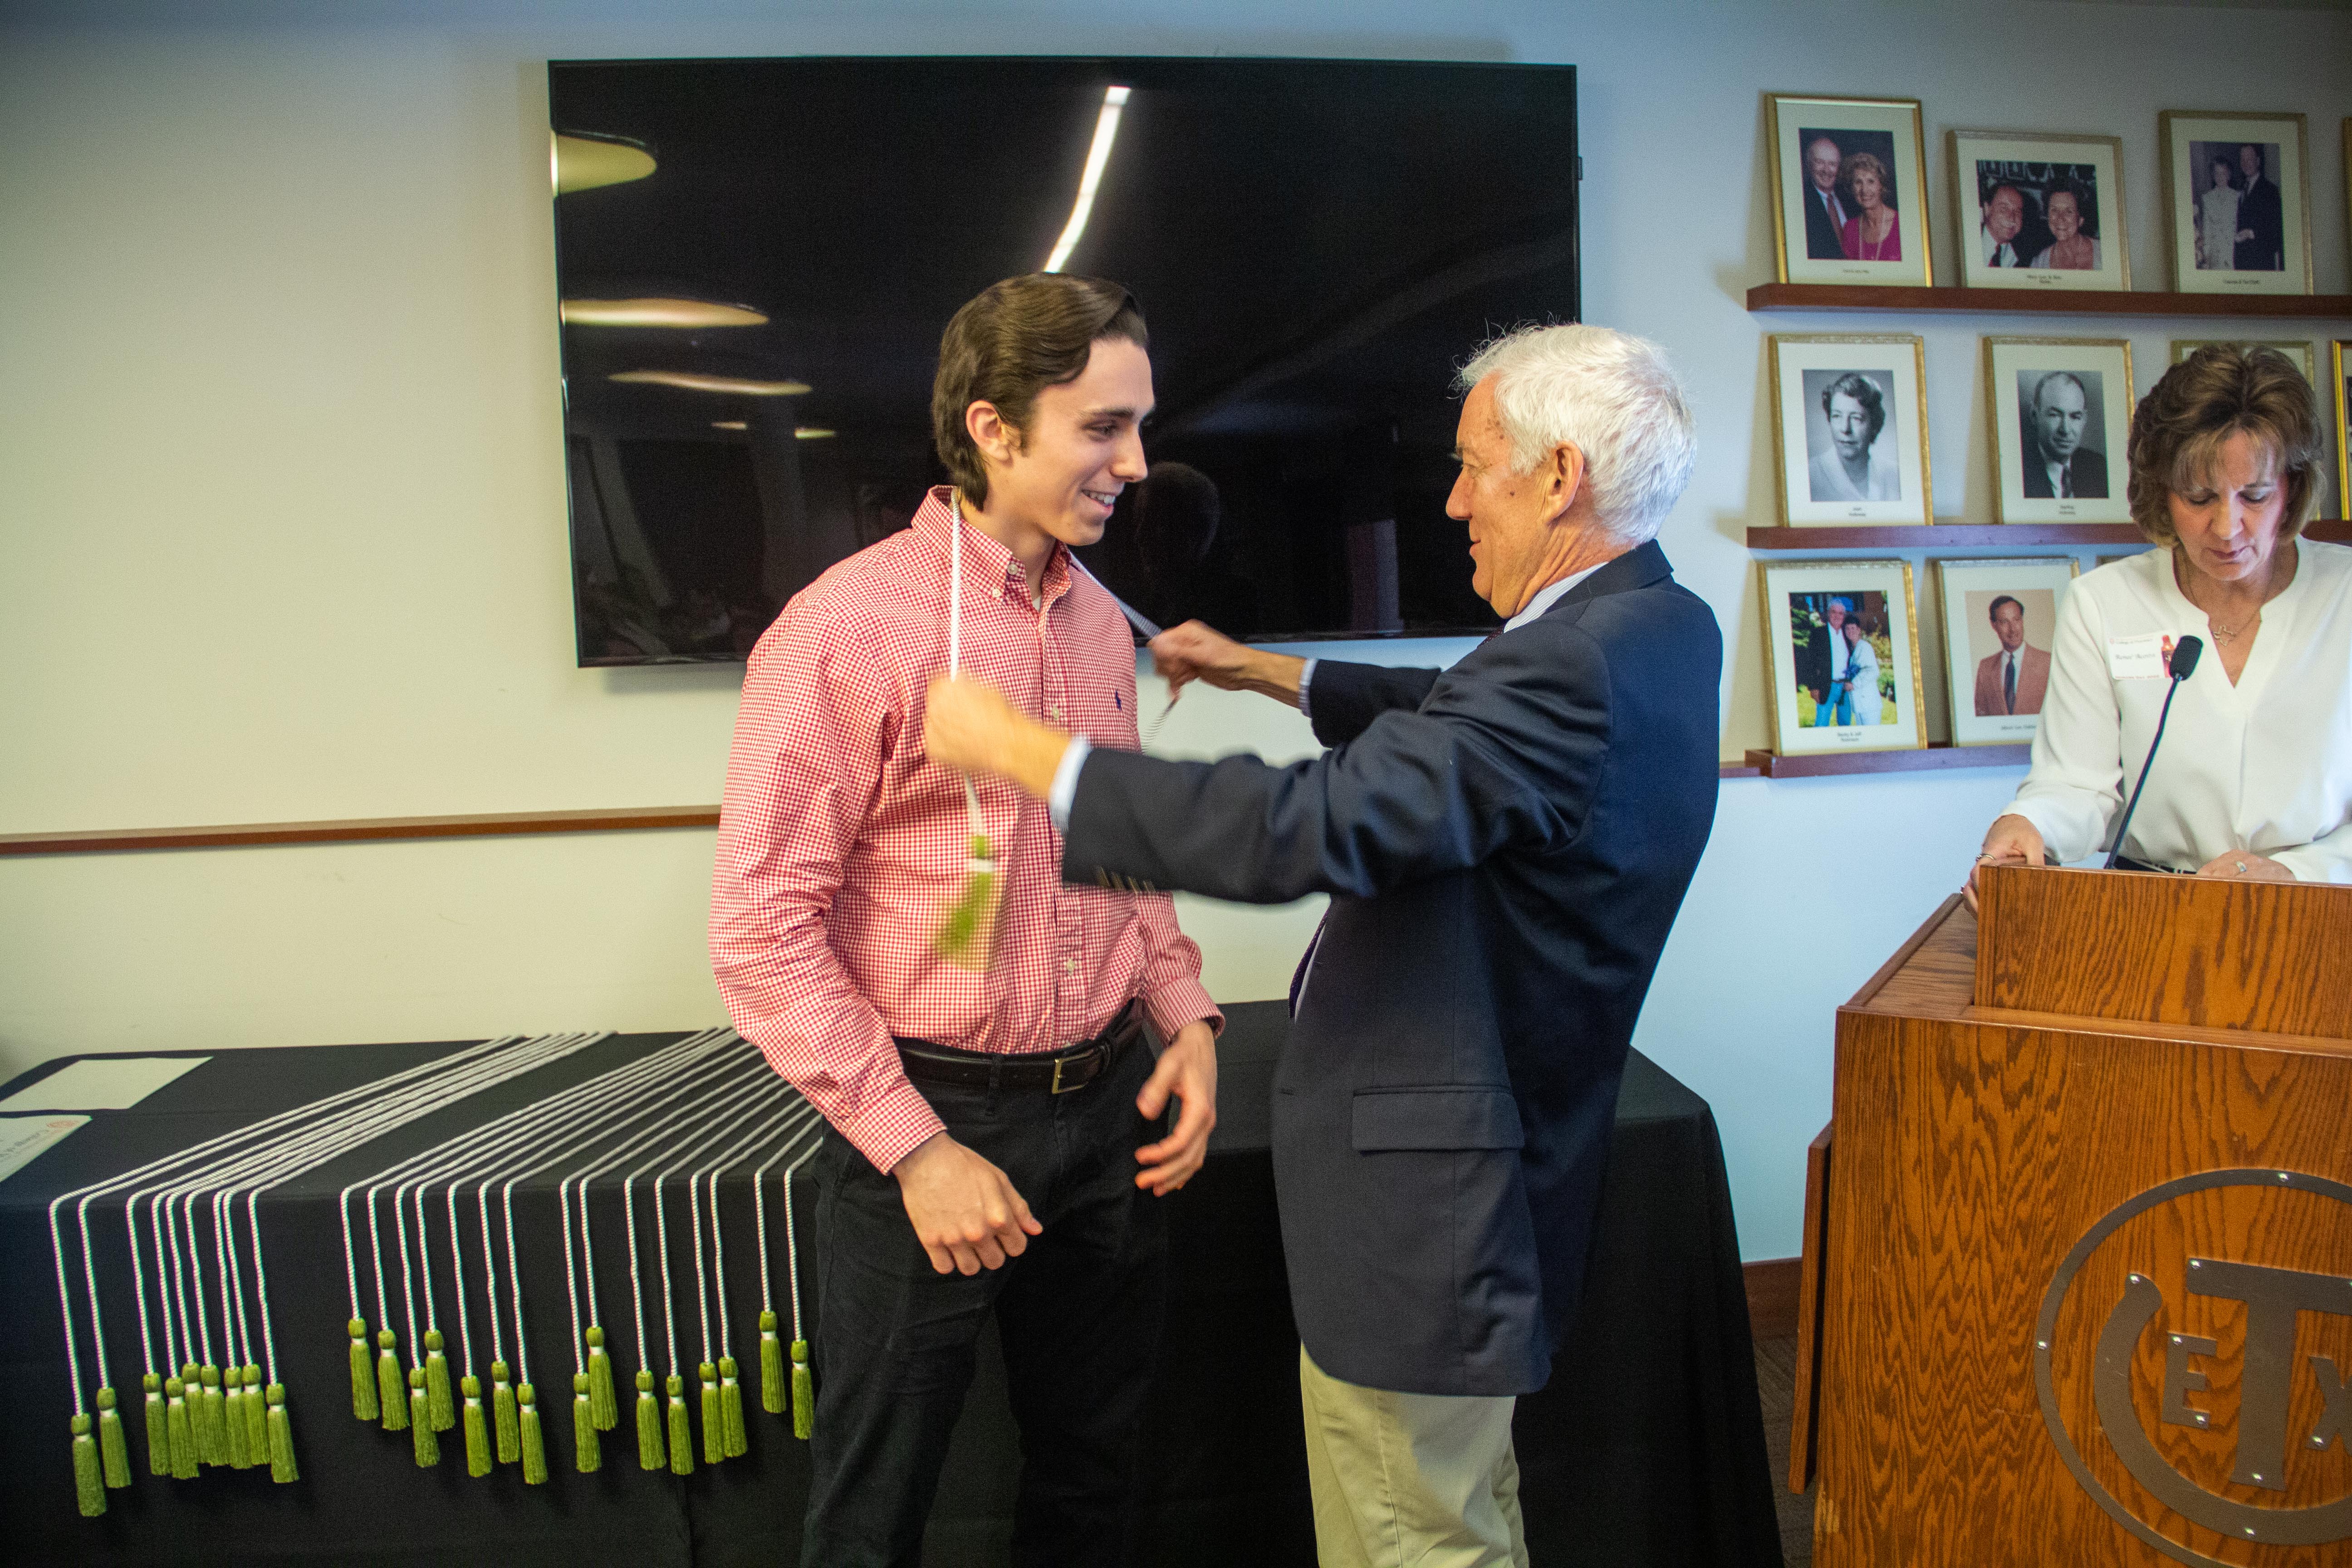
<point>2255,775</point>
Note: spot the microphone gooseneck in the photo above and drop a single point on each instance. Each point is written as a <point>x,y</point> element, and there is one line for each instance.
<point>2185,655</point>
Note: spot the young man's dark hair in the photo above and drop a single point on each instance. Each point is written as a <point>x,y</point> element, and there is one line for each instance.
<point>1012,340</point>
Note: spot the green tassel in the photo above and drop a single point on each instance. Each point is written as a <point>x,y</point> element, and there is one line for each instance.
<point>601,1402</point>
<point>731,1411</point>
<point>437,1404</point>
<point>534,1446</point>
<point>503,1421</point>
<point>257,1416</point>
<point>649,1425</point>
<point>714,1435</point>
<point>211,1418</point>
<point>281,1436</point>
<point>183,1441</point>
<point>363,1400</point>
<point>774,1397</point>
<point>587,1453</point>
<point>89,1487</point>
<point>390,1386</point>
<point>112,1449</point>
<point>681,1429</point>
<point>421,1437</point>
<point>478,1431</point>
<point>240,1455</point>
<point>965,936</point>
<point>804,1392</point>
<point>159,1433</point>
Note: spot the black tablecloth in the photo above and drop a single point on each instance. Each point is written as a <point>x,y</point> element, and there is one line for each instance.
<point>1648,1448</point>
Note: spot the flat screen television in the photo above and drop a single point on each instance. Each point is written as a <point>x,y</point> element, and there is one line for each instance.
<point>756,259</point>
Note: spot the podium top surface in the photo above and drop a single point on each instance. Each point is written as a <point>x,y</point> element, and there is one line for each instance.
<point>2141,975</point>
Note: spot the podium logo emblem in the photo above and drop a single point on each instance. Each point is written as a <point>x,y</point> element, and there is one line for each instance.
<point>2279,1379</point>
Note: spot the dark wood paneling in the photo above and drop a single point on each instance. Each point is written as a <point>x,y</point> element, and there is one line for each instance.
<point>2212,952</point>
<point>2048,301</point>
<point>1772,1297</point>
<point>359,830</point>
<point>1805,1405</point>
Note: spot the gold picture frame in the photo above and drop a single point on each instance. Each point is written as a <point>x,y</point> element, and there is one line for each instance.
<point>1889,126</point>
<point>2299,350</point>
<point>1790,689</point>
<point>1804,367</point>
<point>2026,579</point>
<point>2007,361</point>
<point>2336,357</point>
<point>2180,134</point>
<point>2035,164</point>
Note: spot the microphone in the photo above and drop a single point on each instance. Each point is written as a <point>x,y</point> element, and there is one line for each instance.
<point>2185,655</point>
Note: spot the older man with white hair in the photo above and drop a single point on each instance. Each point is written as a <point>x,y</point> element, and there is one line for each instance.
<point>1506,844</point>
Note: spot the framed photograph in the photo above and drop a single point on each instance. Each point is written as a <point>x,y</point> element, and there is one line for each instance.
<point>2099,560</point>
<point>2338,370</point>
<point>2299,350</point>
<point>1999,619</point>
<point>1849,190</point>
<point>1841,646</point>
<point>2237,195</point>
<point>2061,415</point>
<point>2040,211</point>
<point>1853,414</point>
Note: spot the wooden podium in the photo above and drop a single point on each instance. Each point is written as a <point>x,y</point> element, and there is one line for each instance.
<point>2078,1252</point>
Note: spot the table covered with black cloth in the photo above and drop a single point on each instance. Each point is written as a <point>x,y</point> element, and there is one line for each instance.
<point>1647,1448</point>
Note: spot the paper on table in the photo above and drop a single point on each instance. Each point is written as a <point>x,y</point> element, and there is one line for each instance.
<point>23,1137</point>
<point>101,1083</point>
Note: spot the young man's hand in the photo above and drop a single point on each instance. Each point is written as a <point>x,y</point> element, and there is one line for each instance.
<point>964,1210</point>
<point>1187,1069</point>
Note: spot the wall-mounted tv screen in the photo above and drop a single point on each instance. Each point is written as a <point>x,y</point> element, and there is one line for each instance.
<point>756,259</point>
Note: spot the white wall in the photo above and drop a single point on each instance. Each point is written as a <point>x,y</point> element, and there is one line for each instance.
<point>281,503</point>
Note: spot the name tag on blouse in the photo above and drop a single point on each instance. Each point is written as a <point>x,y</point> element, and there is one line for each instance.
<point>2144,658</point>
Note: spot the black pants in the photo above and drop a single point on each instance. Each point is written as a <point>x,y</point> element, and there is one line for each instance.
<point>1078,1315</point>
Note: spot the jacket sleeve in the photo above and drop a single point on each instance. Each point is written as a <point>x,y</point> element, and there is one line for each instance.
<point>1348,696</point>
<point>1505,752</point>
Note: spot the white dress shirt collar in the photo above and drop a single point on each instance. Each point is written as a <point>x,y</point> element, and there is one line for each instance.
<point>1547,597</point>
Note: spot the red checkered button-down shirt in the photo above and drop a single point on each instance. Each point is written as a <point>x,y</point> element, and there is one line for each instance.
<point>841,846</point>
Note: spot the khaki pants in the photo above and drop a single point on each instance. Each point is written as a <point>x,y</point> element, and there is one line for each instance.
<point>1410,1480</point>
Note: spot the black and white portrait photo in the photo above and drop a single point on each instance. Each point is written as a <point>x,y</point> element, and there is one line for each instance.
<point>2061,413</point>
<point>2238,197</point>
<point>1852,438</point>
<point>2045,213</point>
<point>1851,446</point>
<point>2060,429</point>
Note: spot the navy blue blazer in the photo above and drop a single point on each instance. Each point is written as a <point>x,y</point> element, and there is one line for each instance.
<point>1506,845</point>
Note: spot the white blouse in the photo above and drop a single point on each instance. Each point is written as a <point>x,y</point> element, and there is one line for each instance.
<point>2265,765</point>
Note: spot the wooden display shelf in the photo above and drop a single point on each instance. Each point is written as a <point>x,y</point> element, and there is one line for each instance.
<point>2047,301</point>
<point>1983,536</point>
<point>1936,757</point>
<point>358,830</point>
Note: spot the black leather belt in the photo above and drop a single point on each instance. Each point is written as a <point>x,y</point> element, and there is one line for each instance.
<point>1054,1072</point>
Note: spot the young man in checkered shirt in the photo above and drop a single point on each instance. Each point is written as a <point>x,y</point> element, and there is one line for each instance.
<point>994,1137</point>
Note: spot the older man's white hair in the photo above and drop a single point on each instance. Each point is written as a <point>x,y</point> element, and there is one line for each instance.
<point>1609,396</point>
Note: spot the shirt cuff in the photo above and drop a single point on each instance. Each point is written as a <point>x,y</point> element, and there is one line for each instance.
<point>891,1127</point>
<point>1065,782</point>
<point>1183,1002</point>
<point>1306,679</point>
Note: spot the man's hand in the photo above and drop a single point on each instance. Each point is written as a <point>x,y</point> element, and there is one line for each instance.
<point>1188,1069</point>
<point>964,1210</point>
<point>969,726</point>
<point>2010,841</point>
<point>1192,652</point>
<point>2245,865</point>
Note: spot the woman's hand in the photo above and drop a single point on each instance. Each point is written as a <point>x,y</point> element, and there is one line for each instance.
<point>2245,865</point>
<point>2010,841</point>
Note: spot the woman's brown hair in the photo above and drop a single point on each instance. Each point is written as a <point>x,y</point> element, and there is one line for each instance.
<point>2221,390</point>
